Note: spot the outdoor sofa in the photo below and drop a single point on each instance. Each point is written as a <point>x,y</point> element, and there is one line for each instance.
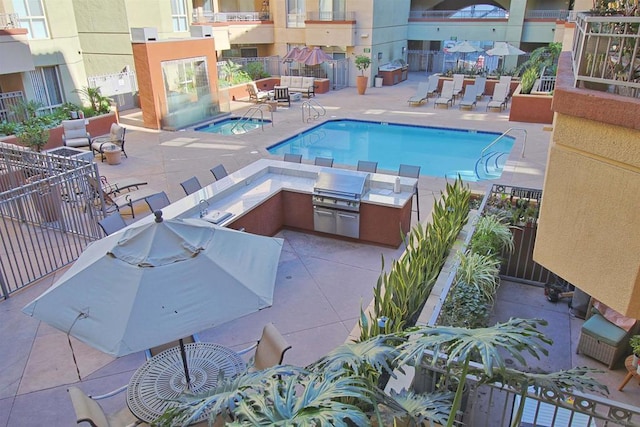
<point>304,85</point>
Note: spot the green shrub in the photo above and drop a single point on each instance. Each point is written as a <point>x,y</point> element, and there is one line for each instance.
<point>528,79</point>
<point>492,235</point>
<point>256,70</point>
<point>9,128</point>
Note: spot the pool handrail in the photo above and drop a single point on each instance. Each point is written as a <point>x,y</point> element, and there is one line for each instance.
<point>492,143</point>
<point>250,113</point>
<point>314,105</point>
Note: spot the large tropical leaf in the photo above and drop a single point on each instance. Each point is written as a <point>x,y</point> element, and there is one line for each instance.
<point>482,345</point>
<point>434,407</point>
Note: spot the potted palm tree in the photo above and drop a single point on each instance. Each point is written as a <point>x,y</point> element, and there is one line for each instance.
<point>363,63</point>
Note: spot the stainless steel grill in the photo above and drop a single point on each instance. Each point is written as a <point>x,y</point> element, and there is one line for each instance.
<point>336,202</point>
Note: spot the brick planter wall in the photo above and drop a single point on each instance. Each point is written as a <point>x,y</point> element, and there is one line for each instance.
<point>531,108</point>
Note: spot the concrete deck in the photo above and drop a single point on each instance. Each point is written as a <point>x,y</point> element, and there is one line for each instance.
<point>321,282</point>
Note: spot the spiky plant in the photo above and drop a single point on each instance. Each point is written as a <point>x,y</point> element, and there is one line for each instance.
<point>492,235</point>
<point>479,271</point>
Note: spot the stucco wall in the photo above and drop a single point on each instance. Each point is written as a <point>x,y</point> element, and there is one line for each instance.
<point>589,232</point>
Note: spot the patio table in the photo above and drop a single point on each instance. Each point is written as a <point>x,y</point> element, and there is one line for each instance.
<point>156,384</point>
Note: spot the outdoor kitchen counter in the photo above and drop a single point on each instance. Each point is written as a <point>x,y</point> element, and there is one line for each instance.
<point>241,192</point>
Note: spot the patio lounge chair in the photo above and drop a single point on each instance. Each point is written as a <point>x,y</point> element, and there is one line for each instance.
<point>157,201</point>
<point>256,94</point>
<point>270,348</point>
<point>480,84</point>
<point>75,133</point>
<point>123,200</point>
<point>191,185</point>
<point>446,96</point>
<point>367,166</point>
<point>118,186</point>
<point>499,98</point>
<point>115,137</point>
<point>112,223</point>
<point>458,83</point>
<point>507,81</point>
<point>469,99</point>
<point>219,172</point>
<point>421,94</point>
<point>432,88</point>
<point>89,410</point>
<point>281,94</point>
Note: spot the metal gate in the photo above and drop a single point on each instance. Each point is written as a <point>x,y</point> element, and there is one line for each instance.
<point>48,214</point>
<point>121,87</point>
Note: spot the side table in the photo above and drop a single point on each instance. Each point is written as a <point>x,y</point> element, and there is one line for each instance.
<point>631,372</point>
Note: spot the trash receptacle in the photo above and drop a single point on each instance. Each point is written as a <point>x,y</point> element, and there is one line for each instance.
<point>378,81</point>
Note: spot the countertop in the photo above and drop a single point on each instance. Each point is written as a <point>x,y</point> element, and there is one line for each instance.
<point>243,190</point>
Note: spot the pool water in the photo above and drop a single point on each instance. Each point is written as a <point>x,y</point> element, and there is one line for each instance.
<point>439,152</point>
<point>232,126</point>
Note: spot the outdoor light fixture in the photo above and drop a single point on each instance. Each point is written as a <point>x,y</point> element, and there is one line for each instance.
<point>379,56</point>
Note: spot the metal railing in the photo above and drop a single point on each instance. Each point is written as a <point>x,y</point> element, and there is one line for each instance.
<point>270,64</point>
<point>231,17</point>
<point>312,110</point>
<point>496,405</point>
<point>9,20</point>
<point>495,13</point>
<point>48,214</point>
<point>8,101</point>
<point>296,20</point>
<point>250,115</point>
<point>545,84</point>
<point>606,54</point>
<point>331,16</point>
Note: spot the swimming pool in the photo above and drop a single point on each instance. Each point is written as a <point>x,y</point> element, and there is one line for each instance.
<point>232,126</point>
<point>438,151</point>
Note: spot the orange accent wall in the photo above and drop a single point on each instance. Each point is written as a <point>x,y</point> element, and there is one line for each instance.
<point>148,57</point>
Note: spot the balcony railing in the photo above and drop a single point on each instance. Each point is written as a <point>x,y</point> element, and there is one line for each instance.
<point>496,13</point>
<point>331,16</point>
<point>606,54</point>
<point>9,20</point>
<point>232,17</point>
<point>296,20</point>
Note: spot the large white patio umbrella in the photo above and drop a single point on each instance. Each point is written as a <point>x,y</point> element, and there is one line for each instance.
<point>158,283</point>
<point>504,49</point>
<point>463,48</point>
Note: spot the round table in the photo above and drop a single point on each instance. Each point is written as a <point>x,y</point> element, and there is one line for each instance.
<point>631,372</point>
<point>161,379</point>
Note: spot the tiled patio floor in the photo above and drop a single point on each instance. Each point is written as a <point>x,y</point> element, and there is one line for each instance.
<point>321,282</point>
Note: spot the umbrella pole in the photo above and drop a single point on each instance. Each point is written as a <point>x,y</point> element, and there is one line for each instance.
<point>183,353</point>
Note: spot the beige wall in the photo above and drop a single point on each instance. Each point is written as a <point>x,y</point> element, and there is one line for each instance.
<point>589,232</point>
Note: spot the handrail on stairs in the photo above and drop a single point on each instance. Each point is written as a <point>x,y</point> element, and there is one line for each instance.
<point>315,106</point>
<point>251,113</point>
<point>505,133</point>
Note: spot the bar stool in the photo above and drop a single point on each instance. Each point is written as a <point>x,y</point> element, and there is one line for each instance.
<point>409,171</point>
<point>367,166</point>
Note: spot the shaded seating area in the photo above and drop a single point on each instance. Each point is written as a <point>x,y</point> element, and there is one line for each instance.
<point>269,349</point>
<point>74,133</point>
<point>605,334</point>
<point>115,138</point>
<point>446,96</point>
<point>421,95</point>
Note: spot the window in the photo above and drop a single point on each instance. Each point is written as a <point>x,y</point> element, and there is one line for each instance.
<point>47,87</point>
<point>31,13</point>
<point>179,15</point>
<point>296,13</point>
<point>333,10</point>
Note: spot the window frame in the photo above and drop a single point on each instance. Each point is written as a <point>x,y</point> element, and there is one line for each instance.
<point>27,21</point>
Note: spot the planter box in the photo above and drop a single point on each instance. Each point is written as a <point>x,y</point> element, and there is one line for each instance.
<point>96,126</point>
<point>530,108</point>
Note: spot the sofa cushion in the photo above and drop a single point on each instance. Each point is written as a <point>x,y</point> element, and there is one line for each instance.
<point>307,81</point>
<point>601,329</point>
<point>285,80</point>
<point>296,82</point>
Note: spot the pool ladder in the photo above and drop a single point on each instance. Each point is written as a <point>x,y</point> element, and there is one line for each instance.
<point>250,114</point>
<point>311,110</point>
<point>493,156</point>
